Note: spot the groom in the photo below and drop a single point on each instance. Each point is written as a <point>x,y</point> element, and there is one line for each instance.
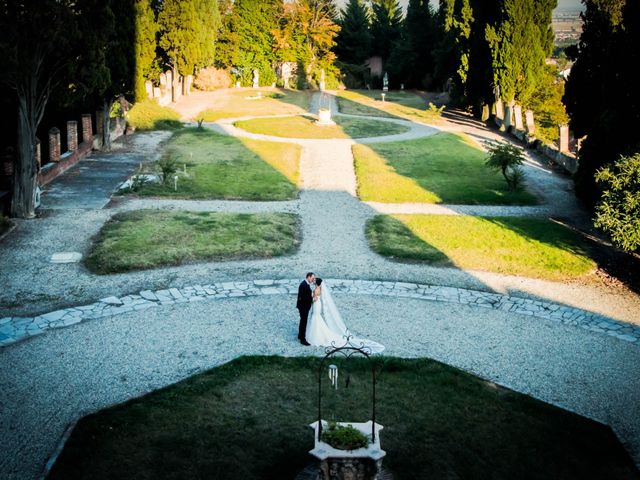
<point>305,300</point>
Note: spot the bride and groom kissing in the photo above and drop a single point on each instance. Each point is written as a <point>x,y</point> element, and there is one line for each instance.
<point>320,321</point>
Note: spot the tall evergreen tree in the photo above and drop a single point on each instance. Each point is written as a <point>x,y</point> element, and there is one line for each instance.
<point>248,40</point>
<point>386,27</point>
<point>411,60</point>
<point>353,43</point>
<point>34,39</point>
<point>145,46</point>
<point>455,19</point>
<point>601,95</point>
<point>518,49</point>
<point>188,31</point>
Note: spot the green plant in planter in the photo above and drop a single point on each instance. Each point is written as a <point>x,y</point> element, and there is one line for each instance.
<point>344,437</point>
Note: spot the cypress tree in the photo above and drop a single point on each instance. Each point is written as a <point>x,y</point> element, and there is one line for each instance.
<point>386,27</point>
<point>517,50</point>
<point>601,95</point>
<point>354,39</point>
<point>455,18</point>
<point>188,31</point>
<point>411,60</point>
<point>145,46</point>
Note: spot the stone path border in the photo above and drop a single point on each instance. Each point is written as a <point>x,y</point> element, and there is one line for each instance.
<point>14,329</point>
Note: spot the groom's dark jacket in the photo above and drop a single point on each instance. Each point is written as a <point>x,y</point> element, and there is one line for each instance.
<point>305,299</point>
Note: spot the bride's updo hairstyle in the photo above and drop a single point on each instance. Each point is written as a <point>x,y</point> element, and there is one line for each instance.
<point>318,281</point>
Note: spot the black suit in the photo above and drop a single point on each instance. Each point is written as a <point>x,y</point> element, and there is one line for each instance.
<point>305,300</point>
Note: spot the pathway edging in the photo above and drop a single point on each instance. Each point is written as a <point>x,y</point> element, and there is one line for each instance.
<point>15,329</point>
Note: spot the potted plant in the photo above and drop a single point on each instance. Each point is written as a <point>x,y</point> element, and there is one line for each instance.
<point>344,437</point>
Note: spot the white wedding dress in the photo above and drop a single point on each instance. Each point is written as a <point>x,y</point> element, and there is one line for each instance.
<point>326,327</point>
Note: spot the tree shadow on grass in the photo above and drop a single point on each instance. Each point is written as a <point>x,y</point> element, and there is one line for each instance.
<point>443,168</point>
<point>247,420</point>
<point>213,166</point>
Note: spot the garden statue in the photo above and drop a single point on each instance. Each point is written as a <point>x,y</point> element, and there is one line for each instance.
<point>256,77</point>
<point>322,84</point>
<point>385,82</point>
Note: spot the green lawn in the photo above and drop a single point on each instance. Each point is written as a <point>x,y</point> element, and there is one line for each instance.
<point>146,239</point>
<point>530,247</point>
<point>248,420</point>
<point>149,115</point>
<point>243,103</point>
<point>219,166</point>
<point>397,104</point>
<point>443,168</point>
<point>305,127</point>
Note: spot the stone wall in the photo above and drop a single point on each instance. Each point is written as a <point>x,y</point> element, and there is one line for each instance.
<point>76,149</point>
<point>509,119</point>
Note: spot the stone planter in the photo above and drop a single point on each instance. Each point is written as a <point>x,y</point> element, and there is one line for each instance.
<point>324,117</point>
<point>359,464</point>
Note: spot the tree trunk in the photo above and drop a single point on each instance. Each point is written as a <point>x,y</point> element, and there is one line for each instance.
<point>106,125</point>
<point>25,174</point>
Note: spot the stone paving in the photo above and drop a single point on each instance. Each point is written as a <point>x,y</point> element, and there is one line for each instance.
<point>14,329</point>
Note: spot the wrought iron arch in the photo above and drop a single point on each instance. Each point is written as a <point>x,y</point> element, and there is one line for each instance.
<point>348,350</point>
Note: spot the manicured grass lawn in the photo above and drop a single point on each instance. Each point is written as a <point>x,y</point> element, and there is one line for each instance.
<point>443,168</point>
<point>145,239</point>
<point>397,104</point>
<point>149,115</point>
<point>305,127</point>
<point>242,103</point>
<point>219,166</point>
<point>248,420</point>
<point>530,247</point>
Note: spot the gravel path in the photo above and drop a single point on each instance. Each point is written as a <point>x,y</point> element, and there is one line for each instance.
<point>52,380</point>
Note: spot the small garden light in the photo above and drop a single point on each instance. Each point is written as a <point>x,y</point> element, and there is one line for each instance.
<point>382,95</point>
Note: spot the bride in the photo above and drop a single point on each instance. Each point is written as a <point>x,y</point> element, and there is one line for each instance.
<point>326,328</point>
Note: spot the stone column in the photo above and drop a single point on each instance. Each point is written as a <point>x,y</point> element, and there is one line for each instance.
<point>531,126</point>
<point>188,81</point>
<point>38,153</point>
<point>517,117</point>
<point>563,141</point>
<point>148,86</point>
<point>87,128</point>
<point>54,144</point>
<point>499,109</point>
<point>508,115</point>
<point>72,136</point>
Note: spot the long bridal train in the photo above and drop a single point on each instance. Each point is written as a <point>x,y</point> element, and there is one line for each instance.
<point>326,327</point>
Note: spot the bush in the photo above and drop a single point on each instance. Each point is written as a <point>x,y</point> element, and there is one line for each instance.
<point>618,212</point>
<point>149,115</point>
<point>168,167</point>
<point>506,158</point>
<point>344,437</point>
<point>212,78</point>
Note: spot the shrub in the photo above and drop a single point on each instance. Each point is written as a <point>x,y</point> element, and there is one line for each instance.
<point>435,111</point>
<point>212,78</point>
<point>344,437</point>
<point>168,167</point>
<point>618,212</point>
<point>149,115</point>
<point>506,158</point>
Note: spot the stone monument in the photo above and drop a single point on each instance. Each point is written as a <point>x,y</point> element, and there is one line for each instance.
<point>256,78</point>
<point>285,72</point>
